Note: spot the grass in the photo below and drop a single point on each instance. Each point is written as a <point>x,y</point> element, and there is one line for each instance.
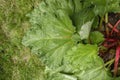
<point>16,61</point>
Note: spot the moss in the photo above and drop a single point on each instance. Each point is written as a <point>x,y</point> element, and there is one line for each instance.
<point>16,61</point>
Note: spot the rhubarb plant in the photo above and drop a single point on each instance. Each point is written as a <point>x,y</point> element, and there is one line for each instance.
<point>67,36</point>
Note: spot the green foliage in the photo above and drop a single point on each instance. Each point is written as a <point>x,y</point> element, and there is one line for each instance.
<point>57,29</point>
<point>82,17</point>
<point>85,30</point>
<point>54,36</point>
<point>53,75</point>
<point>91,9</point>
<point>84,63</point>
<point>96,37</point>
<point>51,34</point>
<point>101,7</point>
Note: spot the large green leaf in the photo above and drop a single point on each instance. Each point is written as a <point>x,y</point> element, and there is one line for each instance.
<point>84,62</point>
<point>52,32</point>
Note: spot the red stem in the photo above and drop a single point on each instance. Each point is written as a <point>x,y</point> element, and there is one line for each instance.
<point>114,29</point>
<point>109,45</point>
<point>116,60</point>
<point>110,40</point>
<point>115,26</point>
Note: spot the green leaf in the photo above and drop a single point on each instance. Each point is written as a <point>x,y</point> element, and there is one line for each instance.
<point>52,32</point>
<point>53,35</point>
<point>99,73</point>
<point>95,23</point>
<point>96,37</point>
<point>77,5</point>
<point>96,5</point>
<point>85,30</point>
<point>114,7</point>
<point>82,17</point>
<point>59,76</point>
<point>84,63</point>
<point>55,75</point>
<point>118,78</point>
<point>102,7</point>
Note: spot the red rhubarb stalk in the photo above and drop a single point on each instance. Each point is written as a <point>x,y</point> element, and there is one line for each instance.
<point>113,29</point>
<point>115,26</point>
<point>110,40</point>
<point>116,60</point>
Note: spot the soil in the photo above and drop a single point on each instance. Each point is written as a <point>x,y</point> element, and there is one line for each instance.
<point>108,52</point>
